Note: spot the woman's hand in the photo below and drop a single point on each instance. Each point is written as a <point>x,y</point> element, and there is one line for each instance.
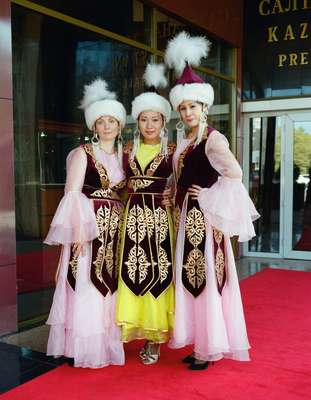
<point>167,197</point>
<point>78,248</point>
<point>194,191</point>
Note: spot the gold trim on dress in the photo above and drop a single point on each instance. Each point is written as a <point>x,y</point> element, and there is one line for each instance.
<point>133,165</point>
<point>102,221</point>
<point>180,163</point>
<point>195,263</point>
<point>195,268</point>
<point>195,226</point>
<point>137,257</point>
<point>104,180</point>
<point>108,194</point>
<point>139,221</point>
<point>161,231</point>
<point>176,214</point>
<point>155,163</point>
<point>219,258</point>
<point>74,266</point>
<point>138,184</point>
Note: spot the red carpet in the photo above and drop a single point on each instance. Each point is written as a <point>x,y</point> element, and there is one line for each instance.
<point>277,305</point>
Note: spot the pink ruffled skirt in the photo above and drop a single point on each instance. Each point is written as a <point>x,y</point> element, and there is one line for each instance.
<point>83,321</point>
<point>213,323</point>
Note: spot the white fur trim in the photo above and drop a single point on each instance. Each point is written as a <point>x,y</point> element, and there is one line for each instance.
<point>202,92</point>
<point>150,101</point>
<point>184,48</point>
<point>95,91</point>
<point>109,107</point>
<point>154,75</point>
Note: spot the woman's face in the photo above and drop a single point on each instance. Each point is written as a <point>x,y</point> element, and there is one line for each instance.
<point>107,128</point>
<point>190,112</point>
<point>150,124</point>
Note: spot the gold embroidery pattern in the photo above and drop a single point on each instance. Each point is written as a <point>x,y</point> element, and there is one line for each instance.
<point>220,258</point>
<point>161,223</point>
<point>134,168</point>
<point>154,165</point>
<point>195,265</point>
<point>164,264</point>
<point>195,227</point>
<point>180,163</point>
<point>74,266</point>
<point>102,220</point>
<point>109,258</point>
<point>118,250</point>
<point>138,222</point>
<point>140,183</point>
<point>105,194</point>
<point>104,180</point>
<point>137,256</point>
<point>108,222</point>
<point>113,227</point>
<point>176,219</point>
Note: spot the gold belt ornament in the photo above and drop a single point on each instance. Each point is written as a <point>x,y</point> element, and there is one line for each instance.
<point>105,194</point>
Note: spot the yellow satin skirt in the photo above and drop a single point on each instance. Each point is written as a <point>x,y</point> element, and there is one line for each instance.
<point>144,317</point>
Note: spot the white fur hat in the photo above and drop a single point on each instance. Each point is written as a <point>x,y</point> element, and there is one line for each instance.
<point>152,101</point>
<point>202,92</point>
<point>99,101</point>
<point>182,52</point>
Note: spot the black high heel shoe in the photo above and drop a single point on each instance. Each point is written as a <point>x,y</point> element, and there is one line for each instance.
<point>198,366</point>
<point>70,361</point>
<point>189,359</point>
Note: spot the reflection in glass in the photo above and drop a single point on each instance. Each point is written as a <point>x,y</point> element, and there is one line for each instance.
<point>131,18</point>
<point>301,229</point>
<point>51,63</point>
<point>220,56</point>
<point>264,181</point>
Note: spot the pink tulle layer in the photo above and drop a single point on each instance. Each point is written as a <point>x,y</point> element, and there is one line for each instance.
<point>83,321</point>
<point>74,221</point>
<point>228,207</point>
<point>213,323</point>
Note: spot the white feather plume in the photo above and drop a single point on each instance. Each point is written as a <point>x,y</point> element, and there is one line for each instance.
<point>184,48</point>
<point>95,91</point>
<point>154,75</point>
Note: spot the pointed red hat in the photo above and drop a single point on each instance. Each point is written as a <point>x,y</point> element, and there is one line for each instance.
<point>182,52</point>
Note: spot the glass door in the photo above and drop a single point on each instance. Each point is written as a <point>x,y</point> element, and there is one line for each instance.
<point>297,187</point>
<point>262,174</point>
<point>277,170</point>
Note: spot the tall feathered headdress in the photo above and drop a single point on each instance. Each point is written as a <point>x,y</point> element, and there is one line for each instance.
<point>182,53</point>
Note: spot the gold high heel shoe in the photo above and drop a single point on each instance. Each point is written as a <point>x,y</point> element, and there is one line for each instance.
<point>152,354</point>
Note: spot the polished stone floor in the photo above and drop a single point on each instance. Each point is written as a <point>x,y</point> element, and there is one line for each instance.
<point>20,364</point>
<point>22,354</point>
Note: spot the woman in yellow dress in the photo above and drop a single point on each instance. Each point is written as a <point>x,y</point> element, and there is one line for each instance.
<point>145,298</point>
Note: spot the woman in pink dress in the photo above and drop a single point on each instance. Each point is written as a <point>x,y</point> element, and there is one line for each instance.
<point>86,224</point>
<point>211,205</point>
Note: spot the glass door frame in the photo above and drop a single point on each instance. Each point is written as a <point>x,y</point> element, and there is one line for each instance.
<point>288,138</point>
<point>286,193</point>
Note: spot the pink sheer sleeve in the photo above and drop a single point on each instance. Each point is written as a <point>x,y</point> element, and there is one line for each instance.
<point>74,220</point>
<point>226,204</point>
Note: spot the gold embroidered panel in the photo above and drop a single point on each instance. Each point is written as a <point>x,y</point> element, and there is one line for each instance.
<point>147,258</point>
<point>193,270</point>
